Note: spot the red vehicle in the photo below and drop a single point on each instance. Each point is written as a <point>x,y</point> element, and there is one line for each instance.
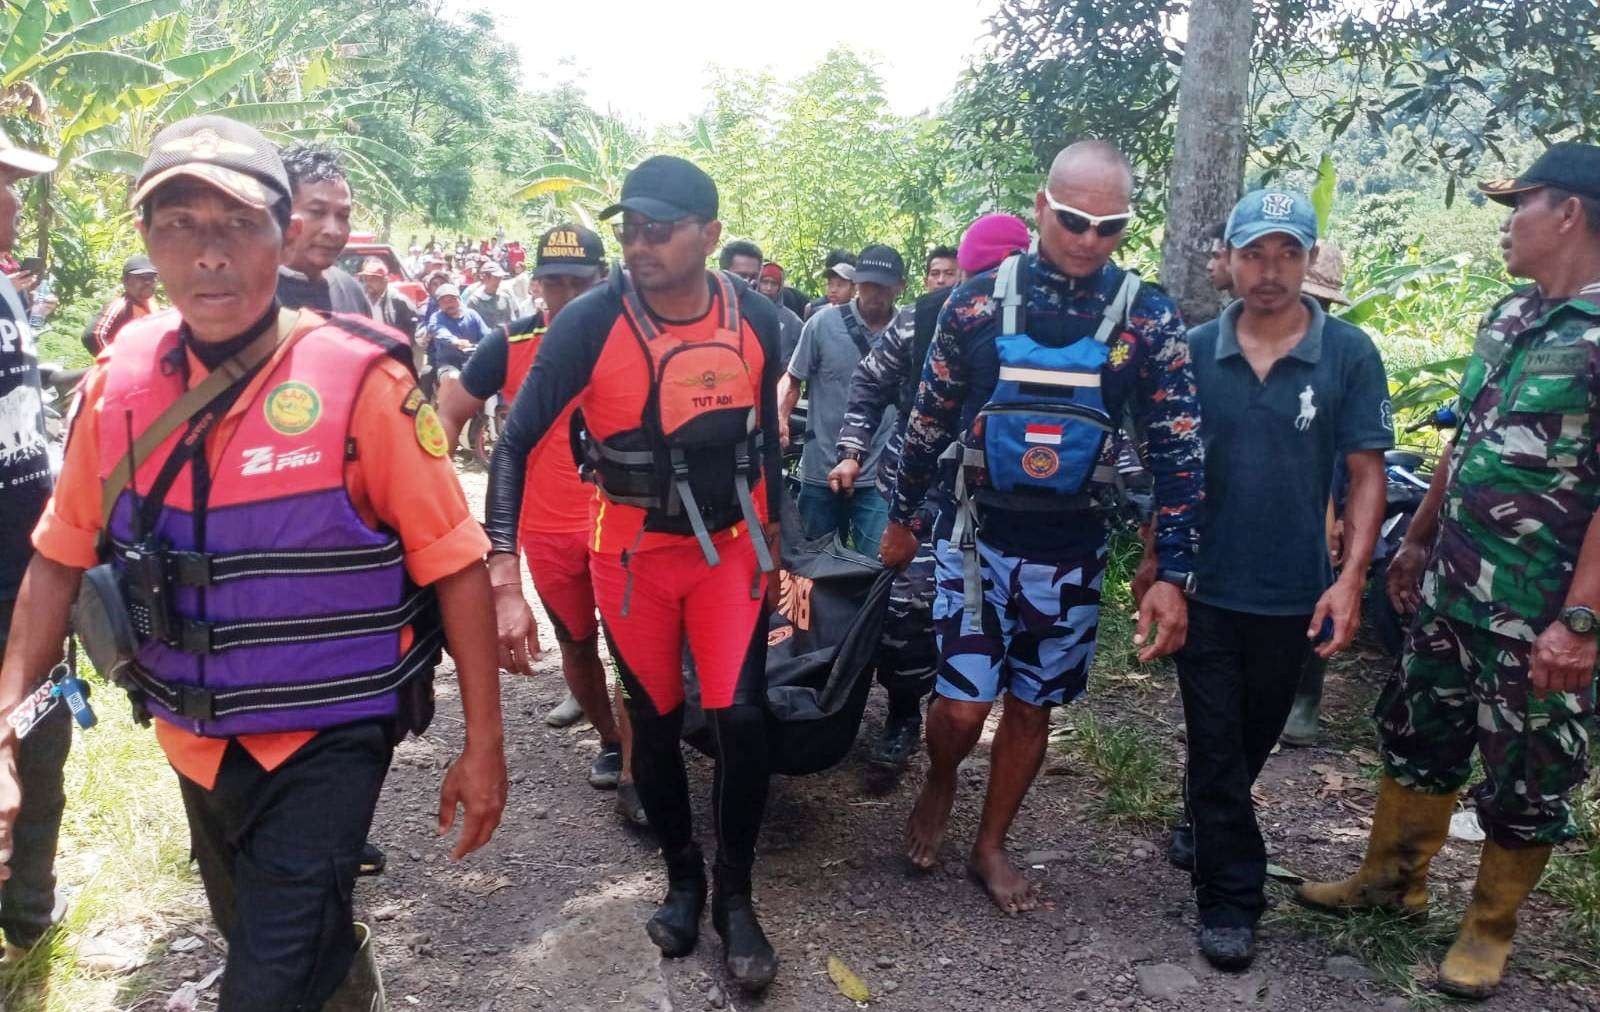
<point>365,244</point>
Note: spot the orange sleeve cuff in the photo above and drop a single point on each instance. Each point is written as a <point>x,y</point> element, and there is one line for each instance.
<point>461,547</point>
<point>61,542</point>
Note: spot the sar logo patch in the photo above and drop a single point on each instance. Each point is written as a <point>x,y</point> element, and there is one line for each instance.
<point>430,433</point>
<point>1040,462</point>
<point>1119,354</point>
<point>292,408</point>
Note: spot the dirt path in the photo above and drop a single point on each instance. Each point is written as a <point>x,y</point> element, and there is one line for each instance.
<point>550,915</point>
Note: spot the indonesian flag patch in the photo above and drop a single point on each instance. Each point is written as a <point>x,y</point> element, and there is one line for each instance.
<point>1043,434</point>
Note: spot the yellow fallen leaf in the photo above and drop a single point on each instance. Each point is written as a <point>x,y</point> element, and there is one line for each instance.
<point>846,981</point>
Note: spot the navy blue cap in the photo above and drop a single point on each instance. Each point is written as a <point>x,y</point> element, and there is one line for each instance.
<point>1263,212</point>
<point>1567,166</point>
<point>879,265</point>
<point>667,189</point>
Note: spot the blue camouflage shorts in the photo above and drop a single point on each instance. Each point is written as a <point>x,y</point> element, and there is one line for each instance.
<point>1037,634</point>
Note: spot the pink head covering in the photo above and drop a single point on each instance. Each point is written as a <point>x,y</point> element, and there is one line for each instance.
<point>990,240</point>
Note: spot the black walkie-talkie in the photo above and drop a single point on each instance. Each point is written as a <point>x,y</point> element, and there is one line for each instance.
<point>148,593</point>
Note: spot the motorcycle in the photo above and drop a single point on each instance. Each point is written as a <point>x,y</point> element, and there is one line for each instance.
<point>1407,475</point>
<point>57,386</point>
<point>484,428</point>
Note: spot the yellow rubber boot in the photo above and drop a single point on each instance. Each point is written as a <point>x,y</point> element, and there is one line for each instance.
<point>1472,967</point>
<point>1408,828</point>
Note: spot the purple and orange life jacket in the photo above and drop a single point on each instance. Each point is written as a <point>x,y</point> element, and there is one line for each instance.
<point>288,612</point>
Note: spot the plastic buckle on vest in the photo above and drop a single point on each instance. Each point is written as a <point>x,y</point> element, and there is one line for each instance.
<point>194,637</point>
<point>191,569</point>
<point>196,703</point>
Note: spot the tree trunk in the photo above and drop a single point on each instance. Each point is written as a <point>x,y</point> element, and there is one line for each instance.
<point>1209,150</point>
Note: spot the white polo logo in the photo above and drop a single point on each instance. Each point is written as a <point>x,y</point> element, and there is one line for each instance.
<point>1277,205</point>
<point>1308,409</point>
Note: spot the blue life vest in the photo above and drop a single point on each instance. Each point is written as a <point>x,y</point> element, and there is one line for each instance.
<point>1035,444</point>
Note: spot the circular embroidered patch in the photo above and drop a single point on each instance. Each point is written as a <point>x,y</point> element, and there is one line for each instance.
<point>1040,462</point>
<point>292,408</point>
<point>430,433</point>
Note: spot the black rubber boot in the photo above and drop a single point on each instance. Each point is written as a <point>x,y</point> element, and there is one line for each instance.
<point>902,734</point>
<point>676,925</point>
<point>748,956</point>
<point>1180,848</point>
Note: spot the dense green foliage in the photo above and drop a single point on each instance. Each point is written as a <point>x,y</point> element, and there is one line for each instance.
<point>443,139</point>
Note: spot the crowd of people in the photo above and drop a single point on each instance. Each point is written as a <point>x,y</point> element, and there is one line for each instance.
<point>258,531</point>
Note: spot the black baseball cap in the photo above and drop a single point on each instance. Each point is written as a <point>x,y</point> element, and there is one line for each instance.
<point>569,249</point>
<point>137,264</point>
<point>880,265</point>
<point>220,152</point>
<point>1567,166</point>
<point>667,189</point>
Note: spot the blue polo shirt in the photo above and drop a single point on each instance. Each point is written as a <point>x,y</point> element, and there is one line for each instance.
<point>1271,446</point>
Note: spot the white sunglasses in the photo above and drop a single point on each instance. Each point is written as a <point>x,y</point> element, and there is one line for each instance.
<point>1078,222</point>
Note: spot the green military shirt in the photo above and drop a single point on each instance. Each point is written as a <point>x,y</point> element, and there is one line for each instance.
<point>1524,475</point>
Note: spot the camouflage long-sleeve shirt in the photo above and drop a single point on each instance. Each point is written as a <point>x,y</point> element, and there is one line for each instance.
<point>874,386</point>
<point>1524,474</point>
<point>1148,372</point>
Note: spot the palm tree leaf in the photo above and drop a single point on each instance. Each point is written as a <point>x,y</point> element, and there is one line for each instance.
<point>214,86</point>
<point>258,114</point>
<point>96,70</point>
<point>127,163</point>
<point>553,185</point>
<point>192,65</point>
<point>26,36</point>
<point>114,24</point>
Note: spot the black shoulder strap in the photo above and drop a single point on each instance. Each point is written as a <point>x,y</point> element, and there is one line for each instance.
<point>729,288</point>
<point>855,327</point>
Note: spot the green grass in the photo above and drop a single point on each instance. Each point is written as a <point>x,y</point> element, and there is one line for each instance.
<point>1137,785</point>
<point>1573,877</point>
<point>59,345</point>
<point>123,859</point>
<point>1394,949</point>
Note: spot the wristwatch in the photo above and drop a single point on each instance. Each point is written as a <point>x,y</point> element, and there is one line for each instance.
<point>1580,620</point>
<point>850,454</point>
<point>1186,581</point>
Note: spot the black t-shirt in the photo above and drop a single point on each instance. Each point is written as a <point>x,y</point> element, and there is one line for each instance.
<point>334,292</point>
<point>24,458</point>
<point>794,300</point>
<point>485,372</point>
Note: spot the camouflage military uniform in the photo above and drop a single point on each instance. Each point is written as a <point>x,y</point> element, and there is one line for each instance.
<point>1524,486</point>
<point>906,656</point>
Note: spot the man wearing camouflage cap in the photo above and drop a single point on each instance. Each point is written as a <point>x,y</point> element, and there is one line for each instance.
<point>1501,654</point>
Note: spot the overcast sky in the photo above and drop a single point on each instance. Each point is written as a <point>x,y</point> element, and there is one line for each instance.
<point>646,59</point>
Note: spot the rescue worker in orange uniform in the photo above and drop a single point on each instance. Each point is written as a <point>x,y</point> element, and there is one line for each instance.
<point>264,497</point>
<point>554,530</point>
<point>674,371</point>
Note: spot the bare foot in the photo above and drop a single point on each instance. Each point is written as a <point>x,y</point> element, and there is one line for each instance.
<point>1008,887</point>
<point>925,828</point>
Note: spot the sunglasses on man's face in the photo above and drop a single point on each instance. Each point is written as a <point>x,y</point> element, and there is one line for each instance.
<point>648,230</point>
<point>1078,222</point>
